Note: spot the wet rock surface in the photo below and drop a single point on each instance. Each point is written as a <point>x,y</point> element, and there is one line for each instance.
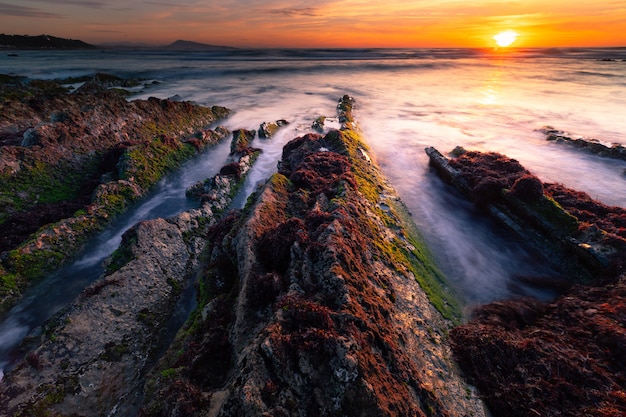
<point>269,129</point>
<point>609,150</point>
<point>583,238</point>
<point>93,356</point>
<point>71,162</point>
<point>560,358</point>
<point>319,298</point>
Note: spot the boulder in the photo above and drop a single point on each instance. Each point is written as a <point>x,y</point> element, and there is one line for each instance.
<point>268,129</point>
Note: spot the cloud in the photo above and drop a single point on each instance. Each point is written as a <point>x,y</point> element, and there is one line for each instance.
<point>91,4</point>
<point>21,11</point>
<point>306,11</point>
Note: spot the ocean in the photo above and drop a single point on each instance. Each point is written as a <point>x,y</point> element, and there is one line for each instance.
<point>406,100</point>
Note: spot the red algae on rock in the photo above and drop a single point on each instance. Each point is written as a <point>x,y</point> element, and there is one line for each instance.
<point>323,308</point>
<point>582,237</point>
<point>71,162</point>
<point>564,358</point>
<point>561,358</point>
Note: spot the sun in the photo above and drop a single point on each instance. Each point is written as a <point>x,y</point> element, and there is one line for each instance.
<point>505,38</point>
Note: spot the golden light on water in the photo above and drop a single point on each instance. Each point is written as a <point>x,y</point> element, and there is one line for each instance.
<point>506,38</point>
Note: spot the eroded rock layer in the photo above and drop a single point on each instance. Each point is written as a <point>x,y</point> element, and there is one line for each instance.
<point>561,358</point>
<point>318,299</point>
<point>92,357</point>
<point>70,162</point>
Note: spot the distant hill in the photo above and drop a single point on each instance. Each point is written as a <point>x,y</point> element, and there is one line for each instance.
<point>16,42</point>
<point>181,45</point>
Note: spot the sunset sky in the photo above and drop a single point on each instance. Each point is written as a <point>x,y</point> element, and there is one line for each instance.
<point>323,23</point>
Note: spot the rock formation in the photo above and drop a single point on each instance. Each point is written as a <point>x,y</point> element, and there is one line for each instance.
<point>319,298</point>
<point>560,358</point>
<point>71,162</point>
<point>269,129</point>
<point>93,356</point>
<point>581,237</point>
<point>614,150</point>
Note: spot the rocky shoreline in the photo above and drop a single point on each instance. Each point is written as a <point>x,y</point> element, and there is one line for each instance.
<point>70,162</point>
<point>319,297</point>
<point>91,358</point>
<point>559,358</point>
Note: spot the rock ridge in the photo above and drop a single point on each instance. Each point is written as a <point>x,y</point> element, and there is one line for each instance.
<point>564,357</point>
<point>70,162</point>
<point>314,301</point>
<point>93,356</point>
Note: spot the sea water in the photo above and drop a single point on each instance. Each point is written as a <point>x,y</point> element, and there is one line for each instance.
<point>406,100</point>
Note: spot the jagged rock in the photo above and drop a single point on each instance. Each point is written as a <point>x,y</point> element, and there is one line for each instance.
<point>559,222</point>
<point>61,149</point>
<point>614,150</point>
<point>318,299</point>
<point>93,356</point>
<point>318,124</point>
<point>242,138</point>
<point>268,129</point>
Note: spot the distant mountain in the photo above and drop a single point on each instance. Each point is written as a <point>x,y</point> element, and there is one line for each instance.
<point>13,42</point>
<point>181,45</point>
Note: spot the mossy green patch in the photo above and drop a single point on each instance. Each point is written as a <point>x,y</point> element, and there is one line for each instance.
<point>146,164</point>
<point>30,265</point>
<point>552,211</point>
<point>43,183</point>
<point>123,254</point>
<point>412,250</point>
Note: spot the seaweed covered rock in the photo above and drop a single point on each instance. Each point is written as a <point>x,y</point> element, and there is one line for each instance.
<point>320,298</point>
<point>242,138</point>
<point>584,238</point>
<point>91,358</point>
<point>564,358</point>
<point>71,162</point>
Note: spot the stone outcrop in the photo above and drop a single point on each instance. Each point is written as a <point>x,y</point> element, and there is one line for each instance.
<point>583,238</point>
<point>71,162</point>
<point>269,129</point>
<point>613,150</point>
<point>319,298</point>
<point>560,358</point>
<point>93,356</point>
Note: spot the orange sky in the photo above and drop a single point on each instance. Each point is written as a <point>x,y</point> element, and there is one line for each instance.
<point>323,23</point>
